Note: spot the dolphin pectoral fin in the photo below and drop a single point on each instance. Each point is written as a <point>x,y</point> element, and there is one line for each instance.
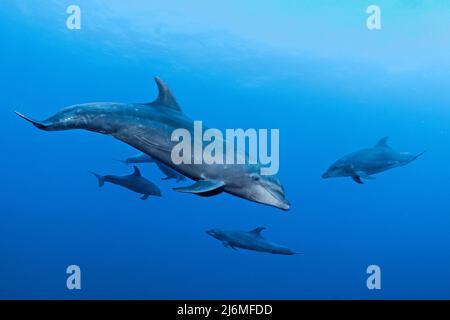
<point>365,175</point>
<point>203,188</point>
<point>357,179</point>
<point>226,244</point>
<point>145,197</point>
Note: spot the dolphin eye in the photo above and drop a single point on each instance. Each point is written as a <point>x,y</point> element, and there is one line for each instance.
<point>255,178</point>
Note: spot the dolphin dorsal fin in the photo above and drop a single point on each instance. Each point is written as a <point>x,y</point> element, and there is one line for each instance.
<point>383,142</point>
<point>257,231</point>
<point>137,172</point>
<point>165,97</point>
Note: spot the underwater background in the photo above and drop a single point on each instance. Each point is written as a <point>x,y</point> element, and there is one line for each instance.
<point>311,69</point>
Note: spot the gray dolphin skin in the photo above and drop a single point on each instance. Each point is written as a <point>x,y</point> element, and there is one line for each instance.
<point>168,171</point>
<point>366,162</point>
<point>134,182</point>
<point>249,240</point>
<point>148,128</point>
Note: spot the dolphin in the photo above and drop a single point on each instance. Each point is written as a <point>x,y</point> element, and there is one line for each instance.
<point>366,162</point>
<point>169,172</point>
<point>144,158</point>
<point>148,128</point>
<point>134,182</point>
<point>249,240</point>
<point>139,158</point>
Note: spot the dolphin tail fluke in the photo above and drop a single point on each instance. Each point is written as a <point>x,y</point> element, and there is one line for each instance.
<point>417,155</point>
<point>101,179</point>
<point>37,124</point>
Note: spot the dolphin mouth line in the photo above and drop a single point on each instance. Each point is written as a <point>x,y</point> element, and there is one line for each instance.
<point>283,203</point>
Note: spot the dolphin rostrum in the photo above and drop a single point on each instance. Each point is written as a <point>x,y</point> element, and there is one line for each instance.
<point>366,162</point>
<point>144,158</point>
<point>148,128</point>
<point>134,182</point>
<point>249,240</point>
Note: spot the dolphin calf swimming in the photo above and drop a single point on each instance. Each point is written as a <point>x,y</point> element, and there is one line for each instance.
<point>134,182</point>
<point>148,128</point>
<point>139,158</point>
<point>366,162</point>
<point>168,171</point>
<point>249,240</point>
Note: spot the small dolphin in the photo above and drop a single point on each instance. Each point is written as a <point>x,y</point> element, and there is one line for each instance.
<point>139,158</point>
<point>148,127</point>
<point>168,171</point>
<point>249,240</point>
<point>366,162</point>
<point>135,182</point>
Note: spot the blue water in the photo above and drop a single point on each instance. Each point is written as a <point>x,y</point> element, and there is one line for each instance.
<point>312,70</point>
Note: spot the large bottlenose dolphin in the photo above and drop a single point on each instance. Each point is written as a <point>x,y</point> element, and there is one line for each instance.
<point>135,182</point>
<point>144,158</point>
<point>249,240</point>
<point>148,128</point>
<point>366,162</point>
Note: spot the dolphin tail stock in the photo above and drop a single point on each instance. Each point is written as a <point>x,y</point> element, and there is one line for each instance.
<point>100,178</point>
